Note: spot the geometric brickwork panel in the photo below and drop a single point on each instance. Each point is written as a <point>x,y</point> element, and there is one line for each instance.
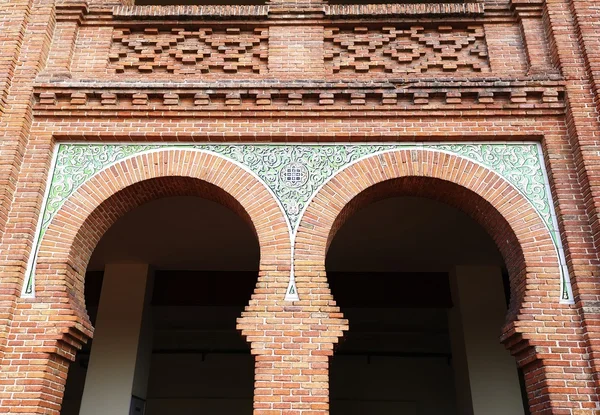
<point>295,173</point>
<point>189,51</point>
<point>411,50</point>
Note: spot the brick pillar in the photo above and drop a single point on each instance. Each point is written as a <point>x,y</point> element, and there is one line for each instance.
<point>69,14</point>
<point>292,341</point>
<point>582,128</point>
<point>12,27</point>
<point>529,15</point>
<point>40,355</point>
<point>587,16</point>
<point>551,355</point>
<point>549,388</point>
<point>15,119</point>
<point>45,333</point>
<point>28,29</point>
<point>577,240</point>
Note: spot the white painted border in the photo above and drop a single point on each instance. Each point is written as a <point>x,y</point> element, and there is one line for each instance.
<point>558,243</point>
<point>29,274</point>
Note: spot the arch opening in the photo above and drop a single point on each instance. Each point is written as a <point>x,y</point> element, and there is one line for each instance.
<point>166,266</point>
<point>475,207</point>
<point>424,270</point>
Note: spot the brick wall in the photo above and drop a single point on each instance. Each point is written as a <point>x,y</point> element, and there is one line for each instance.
<point>299,72</point>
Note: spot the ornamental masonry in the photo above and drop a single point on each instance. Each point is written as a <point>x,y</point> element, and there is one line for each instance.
<point>302,207</point>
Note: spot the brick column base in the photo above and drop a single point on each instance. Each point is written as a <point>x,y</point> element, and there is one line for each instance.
<point>43,341</point>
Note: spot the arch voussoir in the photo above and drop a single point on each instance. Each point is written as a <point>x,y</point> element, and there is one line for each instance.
<point>70,240</point>
<point>519,231</point>
<point>513,213</point>
<point>81,221</point>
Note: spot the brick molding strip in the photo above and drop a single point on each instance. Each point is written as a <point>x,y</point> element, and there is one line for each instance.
<point>396,96</point>
<point>183,12</point>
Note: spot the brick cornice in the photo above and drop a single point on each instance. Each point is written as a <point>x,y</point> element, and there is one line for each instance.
<point>398,96</point>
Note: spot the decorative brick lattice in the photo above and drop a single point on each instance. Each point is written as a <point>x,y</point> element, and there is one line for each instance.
<point>412,50</point>
<point>184,51</point>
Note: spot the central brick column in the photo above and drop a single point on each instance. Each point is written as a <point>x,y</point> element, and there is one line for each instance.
<point>292,341</point>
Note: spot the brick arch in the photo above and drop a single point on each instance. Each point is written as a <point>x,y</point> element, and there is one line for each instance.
<point>69,241</point>
<point>509,218</point>
<point>460,197</point>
